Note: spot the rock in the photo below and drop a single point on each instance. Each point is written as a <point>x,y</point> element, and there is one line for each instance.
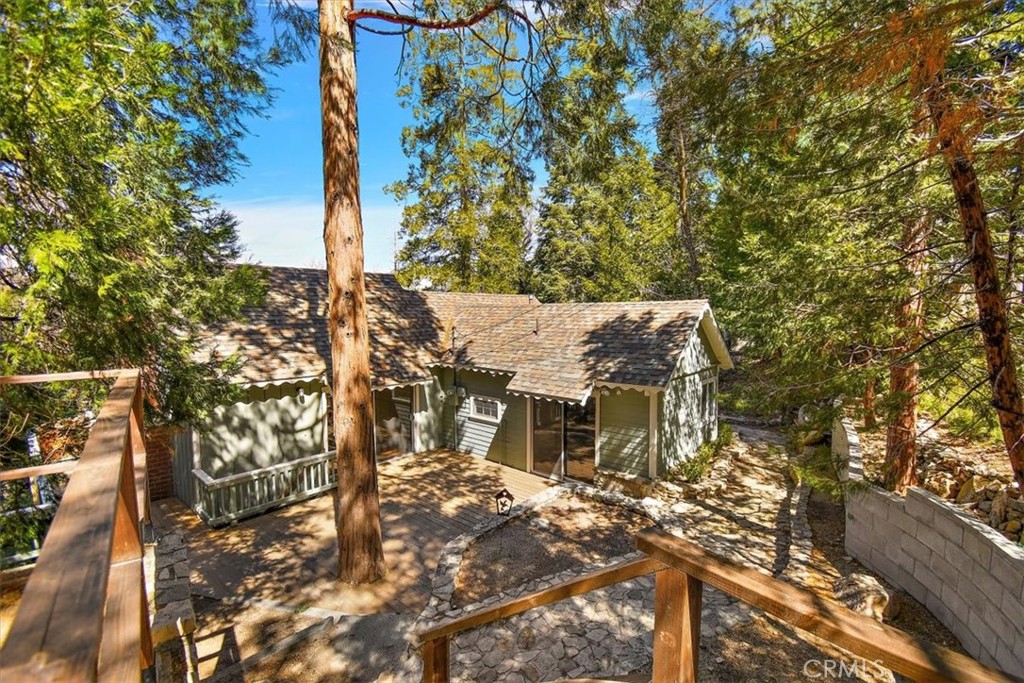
<point>862,594</point>
<point>972,491</point>
<point>940,486</point>
<point>1013,526</point>
<point>525,638</point>
<point>173,620</point>
<point>985,506</point>
<point>997,513</point>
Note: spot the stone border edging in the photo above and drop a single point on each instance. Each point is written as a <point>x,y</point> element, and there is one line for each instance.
<point>801,541</point>
<point>966,573</point>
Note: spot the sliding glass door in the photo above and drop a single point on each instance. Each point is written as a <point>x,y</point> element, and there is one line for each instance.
<point>563,440</point>
<point>579,441</point>
<point>547,438</point>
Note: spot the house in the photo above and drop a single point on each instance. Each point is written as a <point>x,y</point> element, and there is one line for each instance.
<point>558,390</point>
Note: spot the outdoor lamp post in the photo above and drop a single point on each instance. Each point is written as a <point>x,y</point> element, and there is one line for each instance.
<point>503,501</point>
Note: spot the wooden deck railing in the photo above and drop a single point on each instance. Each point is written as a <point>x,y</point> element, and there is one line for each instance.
<point>234,497</point>
<point>83,614</point>
<point>682,568</point>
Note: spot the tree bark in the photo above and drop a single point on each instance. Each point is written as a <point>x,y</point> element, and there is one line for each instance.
<point>870,418</point>
<point>685,223</point>
<point>901,434</point>
<point>360,548</point>
<point>992,321</point>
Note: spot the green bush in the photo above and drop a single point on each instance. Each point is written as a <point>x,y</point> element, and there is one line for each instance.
<point>725,436</point>
<point>697,467</point>
<point>819,467</point>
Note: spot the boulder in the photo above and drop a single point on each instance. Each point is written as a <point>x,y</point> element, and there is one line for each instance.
<point>997,513</point>
<point>942,485</point>
<point>864,594</point>
<point>973,490</point>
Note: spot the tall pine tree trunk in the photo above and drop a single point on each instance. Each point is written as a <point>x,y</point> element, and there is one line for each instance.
<point>685,223</point>
<point>360,549</point>
<point>870,418</point>
<point>901,434</point>
<point>1002,370</point>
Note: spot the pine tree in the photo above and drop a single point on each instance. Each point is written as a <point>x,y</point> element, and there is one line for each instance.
<point>116,120</point>
<point>467,192</point>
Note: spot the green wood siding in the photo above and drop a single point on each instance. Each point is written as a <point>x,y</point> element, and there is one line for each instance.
<point>504,442</point>
<point>682,427</point>
<point>624,438</point>
<point>392,417</point>
<point>275,425</point>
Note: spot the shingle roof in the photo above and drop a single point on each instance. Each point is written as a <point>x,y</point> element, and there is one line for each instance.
<point>553,350</point>
<point>560,350</point>
<point>287,337</point>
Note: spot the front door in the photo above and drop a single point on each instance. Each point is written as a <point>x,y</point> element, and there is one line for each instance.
<point>548,445</point>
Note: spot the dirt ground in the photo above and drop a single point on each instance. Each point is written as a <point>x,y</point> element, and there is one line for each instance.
<point>12,583</point>
<point>569,532</point>
<point>768,651</point>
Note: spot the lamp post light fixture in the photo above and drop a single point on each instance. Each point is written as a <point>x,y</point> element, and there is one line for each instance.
<point>503,501</point>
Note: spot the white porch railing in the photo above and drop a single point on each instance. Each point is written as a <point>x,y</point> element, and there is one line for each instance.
<point>228,499</point>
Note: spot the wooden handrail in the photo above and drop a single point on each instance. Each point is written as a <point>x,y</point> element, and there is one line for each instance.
<point>682,568</point>
<point>601,578</point>
<point>59,467</point>
<point>435,640</point>
<point>221,482</point>
<point>860,635</point>
<point>83,613</point>
<point>63,376</point>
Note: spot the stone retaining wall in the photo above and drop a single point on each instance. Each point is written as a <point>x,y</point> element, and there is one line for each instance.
<point>174,622</point>
<point>965,572</point>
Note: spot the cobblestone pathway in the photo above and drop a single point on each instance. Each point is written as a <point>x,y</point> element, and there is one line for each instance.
<point>608,632</point>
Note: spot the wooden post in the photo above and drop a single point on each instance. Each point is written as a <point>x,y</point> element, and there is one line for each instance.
<point>435,660</point>
<point>677,602</point>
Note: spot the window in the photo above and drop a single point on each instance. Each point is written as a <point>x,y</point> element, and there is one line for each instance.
<point>708,390</point>
<point>485,409</point>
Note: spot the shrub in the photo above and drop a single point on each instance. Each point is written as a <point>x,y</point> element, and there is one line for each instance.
<point>697,467</point>
<point>694,469</point>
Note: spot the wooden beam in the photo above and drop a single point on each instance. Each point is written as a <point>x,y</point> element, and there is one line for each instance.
<point>60,467</point>
<point>435,660</point>
<point>677,603</point>
<point>62,376</point>
<point>573,587</point>
<point>121,644</point>
<point>56,631</point>
<point>862,636</point>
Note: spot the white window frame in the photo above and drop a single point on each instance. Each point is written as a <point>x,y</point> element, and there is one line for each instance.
<point>709,407</point>
<point>479,417</point>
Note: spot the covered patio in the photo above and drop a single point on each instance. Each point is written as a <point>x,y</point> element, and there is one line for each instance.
<point>288,556</point>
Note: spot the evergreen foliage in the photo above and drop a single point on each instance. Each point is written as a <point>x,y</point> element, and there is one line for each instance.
<point>117,117</point>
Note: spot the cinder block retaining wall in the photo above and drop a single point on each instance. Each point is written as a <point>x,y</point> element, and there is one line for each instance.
<point>965,572</point>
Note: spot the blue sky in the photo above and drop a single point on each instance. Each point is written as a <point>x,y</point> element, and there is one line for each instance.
<point>278,196</point>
